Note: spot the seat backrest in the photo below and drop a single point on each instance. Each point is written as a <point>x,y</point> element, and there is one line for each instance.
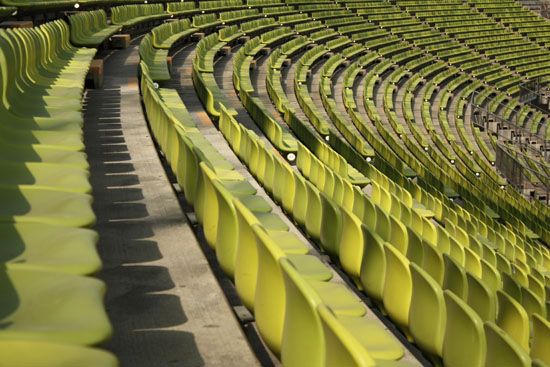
<point>531,302</point>
<point>373,270</point>
<point>464,343</point>
<point>246,260</point>
<point>502,350</point>
<point>415,248</point>
<point>541,339</point>
<point>512,318</point>
<point>270,298</point>
<point>302,336</point>
<point>397,286</point>
<point>481,298</point>
<point>351,247</point>
<point>331,226</point>
<point>341,347</point>
<point>227,233</point>
<point>455,277</point>
<point>432,261</point>
<point>428,315</point>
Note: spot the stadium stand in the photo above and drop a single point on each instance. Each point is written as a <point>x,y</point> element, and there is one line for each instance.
<point>367,181</point>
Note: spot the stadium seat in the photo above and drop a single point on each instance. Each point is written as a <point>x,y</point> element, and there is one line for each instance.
<point>502,350</point>
<point>397,286</point>
<point>541,337</point>
<point>513,319</point>
<point>463,332</point>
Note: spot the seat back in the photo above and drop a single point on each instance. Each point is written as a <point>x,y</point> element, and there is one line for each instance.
<point>502,350</point>
<point>227,232</point>
<point>481,298</point>
<point>373,270</point>
<point>428,315</point>
<point>341,347</point>
<point>351,246</point>
<point>455,277</point>
<point>464,343</point>
<point>541,339</point>
<point>512,318</point>
<point>397,286</point>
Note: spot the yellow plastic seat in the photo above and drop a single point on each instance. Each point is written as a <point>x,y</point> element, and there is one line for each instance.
<point>246,257</point>
<point>481,298</point>
<point>303,340</point>
<point>511,286</point>
<point>356,341</point>
<point>269,302</point>
<point>513,319</point>
<point>464,343</point>
<point>300,204</point>
<point>415,249</point>
<point>531,302</point>
<point>428,315</point>
<point>331,226</point>
<point>313,212</point>
<point>351,245</point>
<point>26,353</point>
<point>397,286</point>
<point>373,270</point>
<point>432,262</point>
<point>502,350</point>
<point>541,339</point>
<point>455,278</point>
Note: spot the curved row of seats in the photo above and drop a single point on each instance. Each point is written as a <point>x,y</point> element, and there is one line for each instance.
<point>51,309</point>
<point>289,290</point>
<point>467,258</point>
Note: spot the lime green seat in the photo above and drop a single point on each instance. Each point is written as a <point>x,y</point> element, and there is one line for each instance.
<point>45,247</point>
<point>513,319</point>
<point>90,28</point>
<point>502,350</point>
<point>464,342</point>
<point>39,153</point>
<point>52,306</point>
<point>428,313</point>
<point>303,340</point>
<point>357,341</point>
<point>373,269</point>
<point>352,245</point>
<point>481,298</point>
<point>541,339</point>
<point>397,291</point>
<point>45,176</point>
<point>331,227</point>
<point>45,206</point>
<point>246,257</point>
<point>455,277</point>
<point>26,353</point>
<point>269,302</point>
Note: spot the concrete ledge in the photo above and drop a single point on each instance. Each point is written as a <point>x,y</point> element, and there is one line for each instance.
<point>120,41</point>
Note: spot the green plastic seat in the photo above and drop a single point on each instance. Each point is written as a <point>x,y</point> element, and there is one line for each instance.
<point>303,340</point>
<point>432,261</point>
<point>246,257</point>
<point>481,298</point>
<point>70,307</point>
<point>38,246</point>
<point>531,302</point>
<point>331,226</point>
<point>269,302</point>
<point>541,339</point>
<point>45,206</point>
<point>513,319</point>
<point>397,291</point>
<point>373,268</point>
<point>356,341</point>
<point>464,342</point>
<point>455,278</point>
<point>45,176</point>
<point>352,245</point>
<point>502,350</point>
<point>25,353</point>
<point>428,313</point>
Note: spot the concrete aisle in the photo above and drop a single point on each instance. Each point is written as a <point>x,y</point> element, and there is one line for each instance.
<point>165,304</point>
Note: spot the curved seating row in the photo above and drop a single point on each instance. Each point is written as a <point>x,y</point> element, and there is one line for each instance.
<point>253,246</point>
<point>52,311</point>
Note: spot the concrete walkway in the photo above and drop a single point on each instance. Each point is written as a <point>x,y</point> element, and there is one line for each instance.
<point>166,306</point>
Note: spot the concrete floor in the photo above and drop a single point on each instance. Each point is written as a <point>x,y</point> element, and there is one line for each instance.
<point>166,306</point>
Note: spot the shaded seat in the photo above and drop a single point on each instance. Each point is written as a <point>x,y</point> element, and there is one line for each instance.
<point>45,176</point>
<point>45,206</point>
<point>71,307</point>
<point>44,353</point>
<point>397,291</point>
<point>481,298</point>
<point>45,247</point>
